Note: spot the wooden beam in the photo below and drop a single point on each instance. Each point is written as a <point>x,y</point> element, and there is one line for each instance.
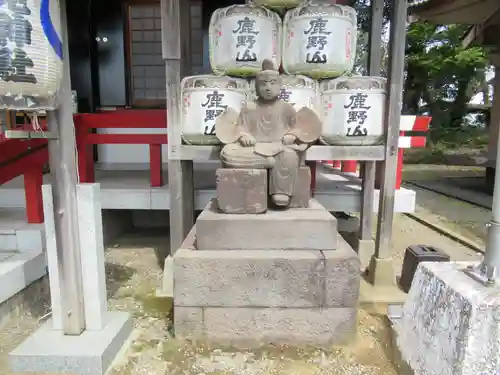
<point>369,168</point>
<point>175,51</point>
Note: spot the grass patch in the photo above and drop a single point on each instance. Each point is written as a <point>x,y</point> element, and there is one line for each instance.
<point>445,141</point>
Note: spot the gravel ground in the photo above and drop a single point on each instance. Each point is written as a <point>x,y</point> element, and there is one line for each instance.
<point>463,218</point>
<point>155,352</point>
<point>133,273</point>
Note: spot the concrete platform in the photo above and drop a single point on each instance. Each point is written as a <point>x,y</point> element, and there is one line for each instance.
<point>249,298</point>
<point>126,186</point>
<point>312,228</point>
<point>22,252</point>
<point>266,278</point>
<point>254,327</point>
<point>92,353</point>
<point>449,323</point>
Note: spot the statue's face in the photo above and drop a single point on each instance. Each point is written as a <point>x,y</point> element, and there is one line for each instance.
<point>268,86</point>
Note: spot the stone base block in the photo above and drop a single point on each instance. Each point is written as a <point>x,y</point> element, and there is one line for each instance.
<point>312,228</point>
<point>91,353</point>
<point>267,278</point>
<point>381,272</point>
<point>302,194</point>
<point>450,323</point>
<point>242,191</point>
<point>253,327</point>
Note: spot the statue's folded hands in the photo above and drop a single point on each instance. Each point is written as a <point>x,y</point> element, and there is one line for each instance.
<point>247,140</point>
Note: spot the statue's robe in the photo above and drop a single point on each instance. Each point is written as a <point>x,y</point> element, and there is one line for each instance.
<point>268,124</point>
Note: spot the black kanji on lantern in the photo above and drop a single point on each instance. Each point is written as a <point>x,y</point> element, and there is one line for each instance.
<point>15,34</point>
<point>317,41</point>
<point>357,114</point>
<point>213,107</point>
<point>246,38</point>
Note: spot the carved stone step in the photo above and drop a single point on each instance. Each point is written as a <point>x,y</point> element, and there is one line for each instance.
<point>266,278</point>
<point>312,228</point>
<point>250,298</point>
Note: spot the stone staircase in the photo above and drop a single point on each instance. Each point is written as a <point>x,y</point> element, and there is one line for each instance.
<point>22,259</point>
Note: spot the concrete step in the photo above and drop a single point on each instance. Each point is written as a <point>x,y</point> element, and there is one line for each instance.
<point>312,228</point>
<point>16,234</point>
<point>22,258</point>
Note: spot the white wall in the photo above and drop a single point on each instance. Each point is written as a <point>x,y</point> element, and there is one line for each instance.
<point>128,153</point>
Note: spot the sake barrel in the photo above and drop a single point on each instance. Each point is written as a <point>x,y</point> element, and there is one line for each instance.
<point>277,4</point>
<point>300,91</point>
<point>31,54</point>
<point>320,40</point>
<point>242,37</point>
<point>204,98</point>
<point>353,110</point>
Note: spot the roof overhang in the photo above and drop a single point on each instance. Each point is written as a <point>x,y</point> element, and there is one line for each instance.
<point>454,11</point>
<point>486,33</point>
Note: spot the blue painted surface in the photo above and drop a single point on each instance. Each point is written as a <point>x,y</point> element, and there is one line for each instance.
<point>48,28</point>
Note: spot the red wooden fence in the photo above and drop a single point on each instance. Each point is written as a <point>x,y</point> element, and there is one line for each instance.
<point>127,118</point>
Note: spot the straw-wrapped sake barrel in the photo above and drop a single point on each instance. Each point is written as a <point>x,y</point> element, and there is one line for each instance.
<point>242,37</point>
<point>319,41</point>
<point>277,4</point>
<point>300,91</point>
<point>204,98</point>
<point>353,110</point>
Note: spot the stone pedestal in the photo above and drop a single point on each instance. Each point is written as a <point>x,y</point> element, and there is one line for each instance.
<point>283,277</point>
<point>311,228</point>
<point>245,191</point>
<point>241,191</point>
<point>450,323</point>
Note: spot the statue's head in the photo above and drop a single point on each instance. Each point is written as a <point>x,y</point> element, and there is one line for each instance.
<point>268,82</point>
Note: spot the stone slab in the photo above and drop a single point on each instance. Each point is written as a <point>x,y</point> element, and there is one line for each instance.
<point>450,322</point>
<point>302,193</point>
<point>312,228</point>
<point>247,327</point>
<point>266,278</point>
<point>242,191</point>
<point>91,353</point>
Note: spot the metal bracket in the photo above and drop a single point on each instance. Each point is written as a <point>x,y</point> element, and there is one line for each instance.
<point>25,134</point>
<point>482,274</point>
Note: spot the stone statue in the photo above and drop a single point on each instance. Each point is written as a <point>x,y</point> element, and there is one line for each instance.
<point>268,134</point>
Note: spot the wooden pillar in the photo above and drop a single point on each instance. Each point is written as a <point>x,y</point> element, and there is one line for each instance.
<point>381,270</point>
<point>180,172</point>
<point>365,243</point>
<point>63,168</point>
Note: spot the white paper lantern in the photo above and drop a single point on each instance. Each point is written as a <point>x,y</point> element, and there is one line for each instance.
<point>242,37</point>
<point>319,41</point>
<point>30,54</point>
<point>353,110</point>
<point>204,98</point>
<point>300,91</point>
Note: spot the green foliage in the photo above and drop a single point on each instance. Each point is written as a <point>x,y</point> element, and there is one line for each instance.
<point>441,72</point>
<point>441,75</point>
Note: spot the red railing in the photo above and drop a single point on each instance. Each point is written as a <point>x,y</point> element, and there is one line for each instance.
<point>26,158</point>
<point>119,119</point>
